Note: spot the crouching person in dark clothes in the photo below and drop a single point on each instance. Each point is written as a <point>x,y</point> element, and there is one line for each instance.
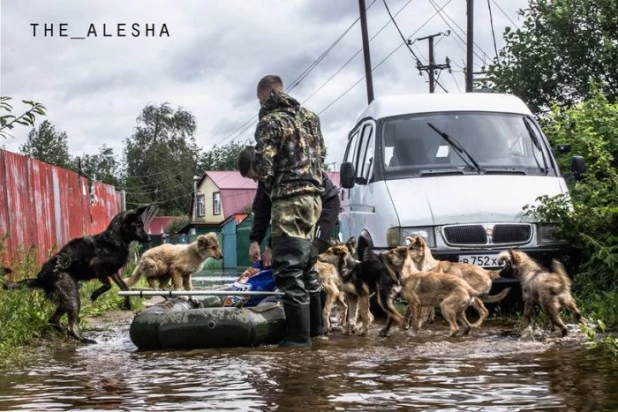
<point>289,159</point>
<point>324,227</point>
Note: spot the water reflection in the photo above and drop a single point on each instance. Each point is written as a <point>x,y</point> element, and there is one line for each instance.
<point>490,371</point>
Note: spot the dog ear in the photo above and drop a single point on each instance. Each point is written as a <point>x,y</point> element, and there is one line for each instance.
<point>514,255</point>
<point>140,210</point>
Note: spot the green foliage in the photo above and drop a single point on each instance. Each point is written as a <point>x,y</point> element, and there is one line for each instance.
<point>588,220</point>
<point>9,121</point>
<point>222,157</point>
<point>607,342</point>
<point>103,166</point>
<point>49,146</point>
<point>560,48</point>
<point>161,159</point>
<point>177,223</point>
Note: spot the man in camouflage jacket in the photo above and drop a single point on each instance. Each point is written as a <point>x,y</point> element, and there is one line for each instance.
<point>288,156</point>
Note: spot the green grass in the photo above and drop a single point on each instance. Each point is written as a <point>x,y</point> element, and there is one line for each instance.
<point>24,313</point>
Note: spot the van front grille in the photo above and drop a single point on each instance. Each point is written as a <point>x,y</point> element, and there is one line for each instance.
<point>466,235</point>
<point>511,233</point>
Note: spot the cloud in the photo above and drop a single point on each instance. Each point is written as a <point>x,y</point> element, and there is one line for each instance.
<point>216,52</point>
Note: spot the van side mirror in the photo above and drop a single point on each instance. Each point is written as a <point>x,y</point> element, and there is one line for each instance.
<point>578,167</point>
<point>347,175</point>
<point>563,148</point>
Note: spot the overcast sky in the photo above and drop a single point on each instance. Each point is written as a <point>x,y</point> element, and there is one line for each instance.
<point>216,51</point>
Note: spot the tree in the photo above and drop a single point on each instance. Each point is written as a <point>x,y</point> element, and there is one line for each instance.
<point>161,159</point>
<point>561,47</point>
<point>102,166</point>
<point>222,157</point>
<point>8,121</point>
<point>49,146</point>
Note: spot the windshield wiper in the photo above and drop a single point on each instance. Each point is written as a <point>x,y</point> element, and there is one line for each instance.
<point>459,149</point>
<point>537,143</point>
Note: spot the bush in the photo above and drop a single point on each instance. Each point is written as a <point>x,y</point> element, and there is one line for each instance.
<point>589,218</point>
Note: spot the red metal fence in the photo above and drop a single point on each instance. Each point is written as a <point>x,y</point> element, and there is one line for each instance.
<point>46,206</point>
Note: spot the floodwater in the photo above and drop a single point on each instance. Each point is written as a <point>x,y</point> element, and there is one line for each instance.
<point>493,369</point>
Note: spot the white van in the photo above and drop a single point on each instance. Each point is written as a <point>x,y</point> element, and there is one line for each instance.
<point>456,169</point>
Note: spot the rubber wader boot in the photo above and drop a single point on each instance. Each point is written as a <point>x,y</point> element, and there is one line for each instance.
<point>315,294</point>
<point>290,260</point>
<point>315,308</point>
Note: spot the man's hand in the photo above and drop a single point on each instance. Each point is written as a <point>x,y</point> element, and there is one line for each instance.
<point>267,258</point>
<point>254,252</point>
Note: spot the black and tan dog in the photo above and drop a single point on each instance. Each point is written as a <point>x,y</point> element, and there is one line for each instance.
<point>86,258</point>
<point>550,290</point>
<point>360,281</point>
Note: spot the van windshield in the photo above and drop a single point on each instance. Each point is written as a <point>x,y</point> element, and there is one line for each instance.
<point>497,142</point>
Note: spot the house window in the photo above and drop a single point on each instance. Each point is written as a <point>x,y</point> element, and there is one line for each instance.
<point>201,205</point>
<point>216,203</point>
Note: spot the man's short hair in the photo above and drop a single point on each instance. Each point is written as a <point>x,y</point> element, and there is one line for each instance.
<point>268,83</point>
<point>245,156</point>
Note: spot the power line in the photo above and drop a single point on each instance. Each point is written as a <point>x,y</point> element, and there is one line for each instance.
<point>455,31</point>
<point>399,30</point>
<point>505,15</point>
<point>313,65</point>
<point>456,83</point>
<point>355,54</point>
<point>249,122</point>
<point>491,21</point>
<point>382,61</point>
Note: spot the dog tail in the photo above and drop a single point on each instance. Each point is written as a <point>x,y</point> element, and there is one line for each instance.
<point>558,268</point>
<point>29,283</point>
<point>504,257</point>
<point>495,298</point>
<point>135,277</point>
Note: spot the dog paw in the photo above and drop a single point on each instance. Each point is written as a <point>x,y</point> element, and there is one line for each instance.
<point>88,341</point>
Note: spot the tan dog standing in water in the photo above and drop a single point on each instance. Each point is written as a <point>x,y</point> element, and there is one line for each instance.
<point>176,262</point>
<point>480,279</point>
<point>332,284</point>
<point>450,293</point>
<point>550,290</point>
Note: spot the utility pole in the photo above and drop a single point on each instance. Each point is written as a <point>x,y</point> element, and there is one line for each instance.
<point>365,36</point>
<point>432,67</point>
<point>470,46</point>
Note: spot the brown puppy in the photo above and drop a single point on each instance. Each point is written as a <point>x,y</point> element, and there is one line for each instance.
<point>480,279</point>
<point>331,282</point>
<point>451,293</point>
<point>550,290</point>
<point>176,262</point>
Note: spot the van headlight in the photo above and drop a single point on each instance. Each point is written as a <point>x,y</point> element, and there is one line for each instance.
<point>396,236</point>
<point>546,234</point>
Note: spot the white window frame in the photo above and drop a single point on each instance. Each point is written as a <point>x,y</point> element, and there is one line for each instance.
<point>201,205</point>
<point>216,203</point>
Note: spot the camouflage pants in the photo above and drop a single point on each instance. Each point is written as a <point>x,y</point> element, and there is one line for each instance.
<point>296,216</point>
<point>292,223</point>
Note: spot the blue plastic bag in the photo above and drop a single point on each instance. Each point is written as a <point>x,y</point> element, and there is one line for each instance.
<point>256,279</point>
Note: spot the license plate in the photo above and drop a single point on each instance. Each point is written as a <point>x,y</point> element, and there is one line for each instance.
<point>486,261</point>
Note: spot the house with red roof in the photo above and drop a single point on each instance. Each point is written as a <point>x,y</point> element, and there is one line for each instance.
<point>158,224</point>
<point>223,193</point>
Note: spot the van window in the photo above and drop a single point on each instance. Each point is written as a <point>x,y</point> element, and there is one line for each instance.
<point>496,141</point>
<point>362,148</point>
<point>366,153</point>
<point>351,150</point>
